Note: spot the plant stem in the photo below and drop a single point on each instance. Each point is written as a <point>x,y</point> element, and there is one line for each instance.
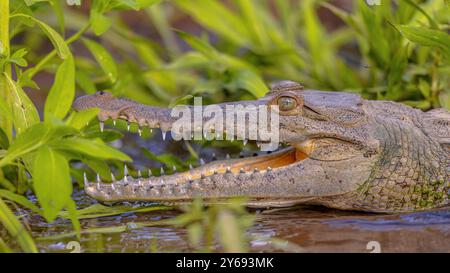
<point>38,67</point>
<point>5,124</point>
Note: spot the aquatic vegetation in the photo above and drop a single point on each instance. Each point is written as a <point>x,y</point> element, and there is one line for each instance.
<point>398,51</point>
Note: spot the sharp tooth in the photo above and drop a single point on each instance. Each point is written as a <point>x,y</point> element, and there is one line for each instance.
<point>102,126</point>
<point>227,156</point>
<point>179,190</point>
<point>269,169</point>
<point>202,162</point>
<point>150,173</point>
<point>139,131</point>
<point>139,174</point>
<point>125,179</point>
<point>162,181</point>
<point>245,141</point>
<point>139,183</point>
<point>174,168</point>
<point>258,144</point>
<point>114,122</point>
<point>113,178</point>
<point>163,135</point>
<point>125,170</point>
<point>98,178</point>
<point>151,130</point>
<point>162,171</point>
<point>128,126</point>
<point>113,187</point>
<point>85,179</point>
<point>190,167</point>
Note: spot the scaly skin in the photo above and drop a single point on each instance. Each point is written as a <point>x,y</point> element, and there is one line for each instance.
<point>345,153</point>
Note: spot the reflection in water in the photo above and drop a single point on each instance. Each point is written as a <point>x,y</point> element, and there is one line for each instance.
<point>311,229</point>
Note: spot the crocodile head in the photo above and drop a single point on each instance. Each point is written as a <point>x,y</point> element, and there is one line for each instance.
<point>334,150</point>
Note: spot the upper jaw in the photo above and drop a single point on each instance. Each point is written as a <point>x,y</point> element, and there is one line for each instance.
<point>164,118</point>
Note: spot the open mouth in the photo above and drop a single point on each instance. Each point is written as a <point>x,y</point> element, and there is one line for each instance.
<point>169,183</point>
<point>253,160</point>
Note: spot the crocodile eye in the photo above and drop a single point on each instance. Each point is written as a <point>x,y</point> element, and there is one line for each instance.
<point>287,103</point>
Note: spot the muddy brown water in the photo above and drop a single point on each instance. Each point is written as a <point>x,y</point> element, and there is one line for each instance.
<point>302,229</point>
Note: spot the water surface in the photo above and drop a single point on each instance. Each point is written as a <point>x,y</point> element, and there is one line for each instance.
<point>302,229</point>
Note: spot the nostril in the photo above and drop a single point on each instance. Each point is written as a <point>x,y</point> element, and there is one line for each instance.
<point>101,92</point>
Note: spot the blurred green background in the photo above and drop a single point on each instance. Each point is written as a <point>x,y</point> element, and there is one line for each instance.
<point>235,49</point>
<point>164,52</point>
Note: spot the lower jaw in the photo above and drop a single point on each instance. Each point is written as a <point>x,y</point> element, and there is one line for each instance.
<point>248,202</point>
<point>186,186</point>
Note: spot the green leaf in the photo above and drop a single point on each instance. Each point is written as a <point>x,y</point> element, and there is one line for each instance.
<point>79,120</point>
<point>32,2</point>
<point>17,57</point>
<point>229,230</point>
<point>99,166</point>
<point>444,99</point>
<point>58,42</point>
<point>4,248</point>
<point>212,54</point>
<point>7,185</point>
<point>216,16</point>
<point>104,59</point>
<point>427,37</point>
<point>198,44</point>
<point>59,13</point>
<point>432,23</point>
<point>100,23</point>
<point>33,138</point>
<point>146,3</point>
<point>251,82</point>
<point>5,110</point>
<point>51,181</point>
<point>73,216</point>
<point>21,200</point>
<point>16,229</point>
<point>95,148</point>
<point>24,113</point>
<point>4,141</point>
<point>84,82</point>
<point>166,159</point>
<point>60,97</point>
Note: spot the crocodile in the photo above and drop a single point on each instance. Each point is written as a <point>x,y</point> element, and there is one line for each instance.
<point>338,150</point>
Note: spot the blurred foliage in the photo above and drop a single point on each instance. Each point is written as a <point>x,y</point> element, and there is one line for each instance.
<point>229,222</point>
<point>399,50</point>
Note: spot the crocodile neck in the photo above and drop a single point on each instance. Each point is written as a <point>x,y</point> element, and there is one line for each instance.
<point>412,172</point>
